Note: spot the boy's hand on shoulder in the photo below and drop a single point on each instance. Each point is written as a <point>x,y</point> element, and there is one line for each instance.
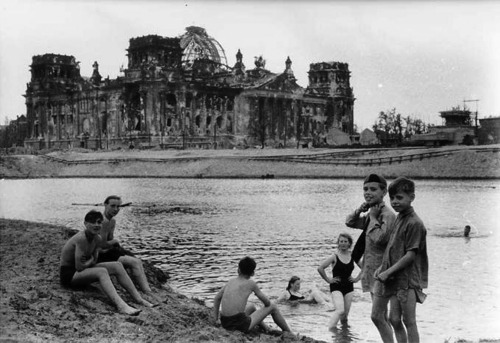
<point>375,211</point>
<point>363,207</point>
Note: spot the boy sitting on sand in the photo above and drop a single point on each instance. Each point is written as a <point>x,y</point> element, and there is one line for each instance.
<point>78,266</point>
<point>235,313</point>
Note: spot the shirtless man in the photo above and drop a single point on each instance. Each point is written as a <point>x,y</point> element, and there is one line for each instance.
<point>111,250</point>
<point>235,313</point>
<point>79,268</point>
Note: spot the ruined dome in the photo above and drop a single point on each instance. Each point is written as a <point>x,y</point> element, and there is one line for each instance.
<point>196,44</point>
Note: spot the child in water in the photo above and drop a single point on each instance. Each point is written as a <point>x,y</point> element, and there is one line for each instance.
<point>293,293</point>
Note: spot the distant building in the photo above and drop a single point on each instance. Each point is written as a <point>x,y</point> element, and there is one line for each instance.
<point>181,92</point>
<point>457,129</point>
<point>368,137</point>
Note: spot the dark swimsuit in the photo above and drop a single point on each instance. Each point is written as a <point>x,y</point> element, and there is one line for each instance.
<point>294,297</point>
<point>342,270</point>
<point>66,274</point>
<point>239,321</point>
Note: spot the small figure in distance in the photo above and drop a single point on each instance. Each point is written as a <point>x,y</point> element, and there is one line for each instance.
<point>341,282</point>
<point>231,300</point>
<point>293,293</point>
<point>467,231</point>
<point>78,266</point>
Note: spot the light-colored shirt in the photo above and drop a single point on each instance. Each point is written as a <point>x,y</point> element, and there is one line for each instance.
<point>377,236</point>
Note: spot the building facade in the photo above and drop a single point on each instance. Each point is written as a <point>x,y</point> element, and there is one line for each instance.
<point>181,92</point>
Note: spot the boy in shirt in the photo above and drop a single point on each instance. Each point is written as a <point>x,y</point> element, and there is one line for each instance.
<point>403,273</point>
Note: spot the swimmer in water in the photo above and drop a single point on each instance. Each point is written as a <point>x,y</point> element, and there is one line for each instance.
<point>293,293</point>
<point>467,231</point>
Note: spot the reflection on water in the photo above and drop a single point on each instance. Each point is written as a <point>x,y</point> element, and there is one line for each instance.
<point>199,229</point>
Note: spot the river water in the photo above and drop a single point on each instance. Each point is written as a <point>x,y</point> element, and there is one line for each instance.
<point>289,227</point>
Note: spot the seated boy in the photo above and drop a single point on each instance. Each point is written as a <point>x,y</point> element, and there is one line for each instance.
<point>78,266</point>
<point>111,250</point>
<point>232,299</point>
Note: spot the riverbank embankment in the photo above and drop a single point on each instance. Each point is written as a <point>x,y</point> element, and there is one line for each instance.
<point>454,162</point>
<point>35,308</point>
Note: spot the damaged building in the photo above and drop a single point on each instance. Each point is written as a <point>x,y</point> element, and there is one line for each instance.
<point>181,92</point>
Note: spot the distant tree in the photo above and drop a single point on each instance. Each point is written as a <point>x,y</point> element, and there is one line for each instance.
<point>392,127</point>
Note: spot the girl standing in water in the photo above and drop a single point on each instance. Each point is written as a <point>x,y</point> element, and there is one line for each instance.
<point>341,282</point>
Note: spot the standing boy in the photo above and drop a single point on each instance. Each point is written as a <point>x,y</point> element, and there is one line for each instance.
<point>403,273</point>
<point>232,299</point>
<point>110,247</point>
<point>78,265</point>
<point>377,227</point>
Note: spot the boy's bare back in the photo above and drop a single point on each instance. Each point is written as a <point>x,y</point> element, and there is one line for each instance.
<point>235,295</point>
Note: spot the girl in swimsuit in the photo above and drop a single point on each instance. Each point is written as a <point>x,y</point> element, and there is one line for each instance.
<point>293,293</point>
<point>341,282</point>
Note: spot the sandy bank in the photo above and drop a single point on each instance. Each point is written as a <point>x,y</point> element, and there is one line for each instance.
<point>35,308</point>
<point>456,162</point>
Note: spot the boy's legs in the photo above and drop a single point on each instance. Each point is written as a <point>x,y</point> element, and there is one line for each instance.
<point>379,309</point>
<point>251,308</point>
<point>408,309</point>
<point>137,270</point>
<point>117,269</point>
<point>395,320</point>
<point>90,275</point>
<point>259,315</point>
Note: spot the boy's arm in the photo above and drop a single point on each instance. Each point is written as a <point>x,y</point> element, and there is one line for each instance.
<point>354,219</point>
<point>110,240</point>
<point>381,224</point>
<point>262,297</point>
<point>402,263</point>
<point>217,301</point>
<point>82,261</point>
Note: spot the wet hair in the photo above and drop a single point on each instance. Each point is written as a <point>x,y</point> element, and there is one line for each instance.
<point>346,236</point>
<point>292,280</point>
<point>402,184</point>
<point>376,178</point>
<point>93,216</point>
<point>247,266</point>
<point>111,197</point>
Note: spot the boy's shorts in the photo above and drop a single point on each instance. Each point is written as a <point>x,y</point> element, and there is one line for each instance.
<point>66,274</point>
<point>386,291</point>
<point>112,255</point>
<point>239,321</point>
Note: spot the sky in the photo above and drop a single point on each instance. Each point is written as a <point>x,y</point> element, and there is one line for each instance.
<point>417,57</point>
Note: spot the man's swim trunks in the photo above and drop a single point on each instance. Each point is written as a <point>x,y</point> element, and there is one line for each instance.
<point>342,270</point>
<point>240,322</point>
<point>112,255</point>
<point>66,274</point>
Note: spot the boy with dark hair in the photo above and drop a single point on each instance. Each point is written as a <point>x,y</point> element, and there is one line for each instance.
<point>404,269</point>
<point>376,225</point>
<point>235,313</point>
<point>79,265</point>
